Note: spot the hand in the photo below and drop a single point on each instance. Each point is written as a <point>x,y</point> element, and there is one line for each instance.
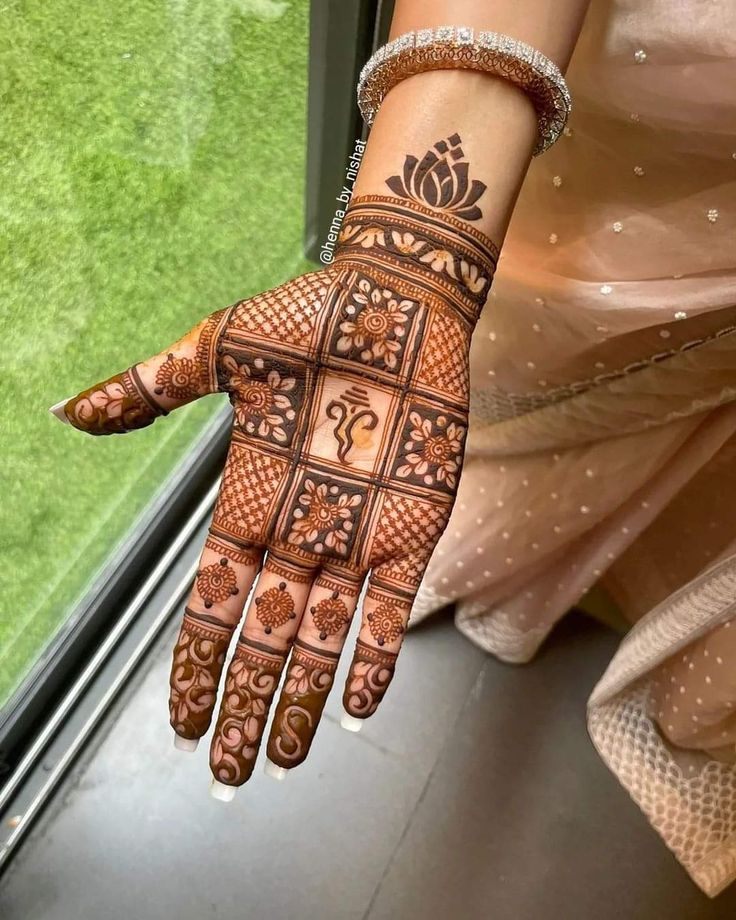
<point>349,387</point>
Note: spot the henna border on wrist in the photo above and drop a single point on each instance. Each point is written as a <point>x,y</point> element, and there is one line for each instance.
<point>431,250</point>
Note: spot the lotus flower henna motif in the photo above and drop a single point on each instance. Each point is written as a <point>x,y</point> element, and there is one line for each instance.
<point>440,180</point>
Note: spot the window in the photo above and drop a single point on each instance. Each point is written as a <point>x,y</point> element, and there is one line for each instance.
<point>154,172</point>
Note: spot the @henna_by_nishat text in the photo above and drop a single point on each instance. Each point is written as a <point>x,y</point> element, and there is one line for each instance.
<point>349,388</point>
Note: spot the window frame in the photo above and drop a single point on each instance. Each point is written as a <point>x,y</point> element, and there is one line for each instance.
<point>54,712</point>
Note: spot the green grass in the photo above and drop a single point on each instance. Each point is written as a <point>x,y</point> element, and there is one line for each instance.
<point>152,170</point>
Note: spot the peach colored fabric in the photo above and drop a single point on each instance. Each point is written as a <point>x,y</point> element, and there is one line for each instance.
<point>602,446</point>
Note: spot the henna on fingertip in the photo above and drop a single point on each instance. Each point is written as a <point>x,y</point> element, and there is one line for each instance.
<point>250,685</point>
<point>199,656</point>
<point>306,688</point>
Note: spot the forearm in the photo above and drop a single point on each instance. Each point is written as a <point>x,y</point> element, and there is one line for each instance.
<point>495,120</point>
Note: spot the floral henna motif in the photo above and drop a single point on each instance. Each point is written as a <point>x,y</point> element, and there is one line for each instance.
<point>385,622</point>
<point>216,582</point>
<point>330,615</point>
<point>323,519</point>
<point>376,326</point>
<point>179,378</point>
<point>198,659</point>
<point>249,688</point>
<point>370,674</point>
<point>115,406</point>
<point>307,685</point>
<point>435,448</point>
<point>275,607</point>
<point>260,397</point>
<point>440,180</point>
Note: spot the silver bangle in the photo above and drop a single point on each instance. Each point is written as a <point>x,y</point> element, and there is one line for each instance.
<point>453,47</point>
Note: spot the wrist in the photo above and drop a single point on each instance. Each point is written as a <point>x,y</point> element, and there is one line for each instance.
<point>434,253</point>
<point>496,124</point>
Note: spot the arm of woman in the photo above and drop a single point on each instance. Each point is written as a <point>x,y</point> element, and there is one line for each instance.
<point>350,394</point>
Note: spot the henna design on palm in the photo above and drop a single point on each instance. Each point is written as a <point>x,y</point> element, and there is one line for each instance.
<point>349,389</point>
<point>353,414</point>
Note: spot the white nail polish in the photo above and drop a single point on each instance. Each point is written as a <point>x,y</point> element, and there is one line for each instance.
<point>221,792</point>
<point>274,771</point>
<point>58,411</point>
<point>350,723</point>
<point>185,744</point>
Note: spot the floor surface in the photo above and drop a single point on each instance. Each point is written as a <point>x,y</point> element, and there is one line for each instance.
<point>473,793</point>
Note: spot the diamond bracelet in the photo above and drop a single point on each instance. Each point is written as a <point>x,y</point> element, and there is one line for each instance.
<point>451,47</point>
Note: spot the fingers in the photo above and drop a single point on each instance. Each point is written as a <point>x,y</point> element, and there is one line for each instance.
<point>224,578</point>
<point>386,608</point>
<point>270,625</point>
<point>329,611</point>
<point>136,397</point>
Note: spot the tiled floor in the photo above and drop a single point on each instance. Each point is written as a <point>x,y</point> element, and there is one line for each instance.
<point>473,793</point>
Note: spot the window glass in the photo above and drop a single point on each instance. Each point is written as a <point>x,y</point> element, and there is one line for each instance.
<point>152,171</point>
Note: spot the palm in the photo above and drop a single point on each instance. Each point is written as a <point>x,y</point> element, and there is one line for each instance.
<point>349,390</point>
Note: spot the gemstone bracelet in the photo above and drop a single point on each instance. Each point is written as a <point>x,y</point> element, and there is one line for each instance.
<point>451,47</point>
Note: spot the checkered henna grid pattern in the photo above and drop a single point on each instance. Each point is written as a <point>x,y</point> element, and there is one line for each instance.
<point>349,388</point>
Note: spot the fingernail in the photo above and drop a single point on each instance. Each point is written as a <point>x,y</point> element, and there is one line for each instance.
<point>274,771</point>
<point>350,723</point>
<point>58,411</point>
<point>185,744</point>
<point>221,792</point>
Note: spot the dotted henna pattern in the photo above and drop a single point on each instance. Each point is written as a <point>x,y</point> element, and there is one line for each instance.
<point>329,615</point>
<point>385,623</point>
<point>216,582</point>
<point>275,607</point>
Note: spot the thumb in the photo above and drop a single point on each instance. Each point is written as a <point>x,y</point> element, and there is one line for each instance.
<point>136,397</point>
